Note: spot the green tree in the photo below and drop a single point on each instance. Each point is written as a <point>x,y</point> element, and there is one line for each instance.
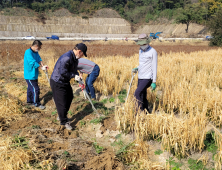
<point>215,26</point>
<point>191,13</point>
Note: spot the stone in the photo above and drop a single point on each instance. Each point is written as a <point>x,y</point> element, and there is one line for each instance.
<point>99,134</point>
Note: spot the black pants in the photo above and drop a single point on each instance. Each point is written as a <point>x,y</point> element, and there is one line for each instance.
<point>141,93</point>
<point>63,95</point>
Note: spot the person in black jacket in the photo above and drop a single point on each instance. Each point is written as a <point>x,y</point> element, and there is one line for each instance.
<point>64,70</point>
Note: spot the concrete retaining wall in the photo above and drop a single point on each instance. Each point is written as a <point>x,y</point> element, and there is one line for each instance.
<point>17,26</point>
<point>21,25</point>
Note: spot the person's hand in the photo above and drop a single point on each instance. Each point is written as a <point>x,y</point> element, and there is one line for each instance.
<point>77,78</point>
<point>45,67</point>
<point>153,86</point>
<point>82,86</point>
<point>134,70</point>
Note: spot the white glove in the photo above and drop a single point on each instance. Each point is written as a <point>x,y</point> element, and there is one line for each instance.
<point>77,78</point>
<point>44,68</point>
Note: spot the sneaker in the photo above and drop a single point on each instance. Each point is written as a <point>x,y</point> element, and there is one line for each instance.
<point>68,126</point>
<point>41,107</point>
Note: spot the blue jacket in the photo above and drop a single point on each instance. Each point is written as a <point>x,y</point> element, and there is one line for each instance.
<point>65,68</point>
<point>31,64</point>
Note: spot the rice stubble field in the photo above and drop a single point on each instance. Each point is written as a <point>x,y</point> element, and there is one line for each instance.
<point>183,131</point>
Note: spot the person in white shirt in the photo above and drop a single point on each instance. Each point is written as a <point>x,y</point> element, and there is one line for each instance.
<point>147,71</point>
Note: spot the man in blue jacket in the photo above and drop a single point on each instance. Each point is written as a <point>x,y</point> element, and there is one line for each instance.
<point>64,70</point>
<point>32,62</point>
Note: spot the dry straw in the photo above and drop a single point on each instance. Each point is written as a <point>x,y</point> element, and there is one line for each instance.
<point>180,135</point>
<point>12,158</point>
<point>187,82</point>
<point>10,109</point>
<point>17,91</point>
<point>218,156</point>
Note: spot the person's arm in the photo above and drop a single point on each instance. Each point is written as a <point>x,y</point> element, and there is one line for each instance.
<point>41,63</point>
<point>154,66</point>
<point>72,75</point>
<point>31,61</point>
<point>81,74</point>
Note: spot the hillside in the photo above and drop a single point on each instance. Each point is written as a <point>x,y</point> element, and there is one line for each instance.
<point>18,22</point>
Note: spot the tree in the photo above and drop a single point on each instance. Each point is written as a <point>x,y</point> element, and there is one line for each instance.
<point>213,5</point>
<point>191,13</point>
<point>215,26</point>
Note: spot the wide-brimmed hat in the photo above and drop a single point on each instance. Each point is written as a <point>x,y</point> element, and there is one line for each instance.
<point>143,39</point>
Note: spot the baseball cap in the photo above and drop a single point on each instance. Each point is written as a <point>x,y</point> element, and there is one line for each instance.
<point>82,47</point>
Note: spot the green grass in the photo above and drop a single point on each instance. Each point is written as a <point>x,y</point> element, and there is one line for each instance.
<point>82,123</point>
<point>173,165</point>
<point>66,153</point>
<point>104,101</point>
<point>194,165</point>
<point>119,142</point>
<point>112,99</point>
<point>70,113</point>
<point>209,143</point>
<point>121,153</point>
<point>98,148</point>
<point>24,88</point>
<point>118,136</point>
<point>78,107</point>
<point>50,141</point>
<point>104,109</point>
<point>36,127</point>
<point>53,113</point>
<point>20,142</point>
<point>56,121</point>
<point>97,120</point>
<point>158,152</point>
<point>55,167</point>
<point>122,96</point>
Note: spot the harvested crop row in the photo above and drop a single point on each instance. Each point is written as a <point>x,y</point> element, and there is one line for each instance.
<point>10,109</point>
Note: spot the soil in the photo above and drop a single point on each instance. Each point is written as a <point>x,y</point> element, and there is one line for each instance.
<point>109,124</point>
<point>93,50</point>
<point>50,141</point>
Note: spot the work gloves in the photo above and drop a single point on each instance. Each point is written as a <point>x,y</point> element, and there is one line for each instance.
<point>134,70</point>
<point>45,67</point>
<point>77,78</point>
<point>153,86</point>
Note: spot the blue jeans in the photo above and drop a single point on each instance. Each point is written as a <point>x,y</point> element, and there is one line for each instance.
<point>141,93</point>
<point>90,80</point>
